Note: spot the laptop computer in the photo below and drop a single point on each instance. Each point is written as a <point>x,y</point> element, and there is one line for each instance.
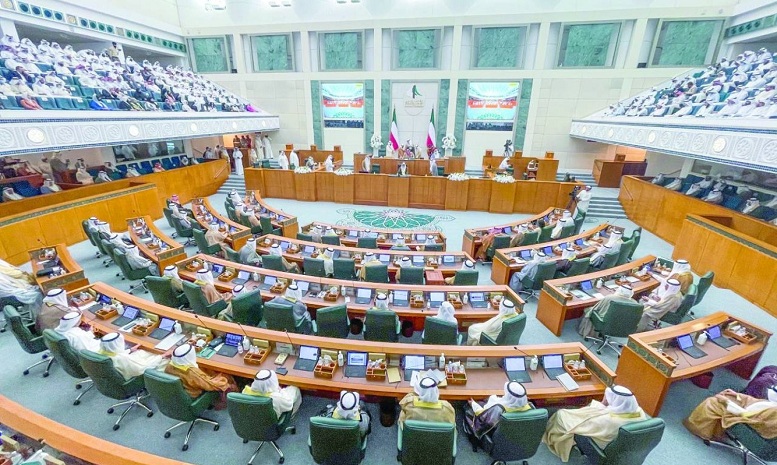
<point>129,315</point>
<point>436,299</point>
<point>229,348</point>
<point>98,303</point>
<point>580,242</point>
<point>285,246</point>
<point>353,233</point>
<point>507,230</point>
<point>303,287</point>
<point>384,258</point>
<point>269,281</point>
<point>363,296</point>
<point>216,269</point>
<point>548,250</point>
<point>448,259</point>
<point>401,298</point>
<point>242,277</point>
<point>356,365</point>
<point>165,327</point>
<point>308,250</point>
<point>418,260</point>
<point>685,343</point>
<point>515,369</point>
<point>587,287</point>
<point>420,237</point>
<point>478,300</point>
<point>396,236</point>
<point>308,357</point>
<point>553,365</point>
<point>525,254</point>
<point>413,363</point>
<point>371,235</point>
<point>719,339</point>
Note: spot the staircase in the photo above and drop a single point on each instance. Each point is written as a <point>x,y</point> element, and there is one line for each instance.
<point>233,182</point>
<point>585,178</point>
<point>607,208</point>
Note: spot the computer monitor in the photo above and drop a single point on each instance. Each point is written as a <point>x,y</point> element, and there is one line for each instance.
<point>130,312</point>
<point>303,286</point>
<point>166,324</point>
<point>242,274</point>
<point>396,236</point>
<point>553,361</point>
<point>309,249</point>
<point>563,246</point>
<point>436,296</point>
<point>308,352</point>
<point>713,332</point>
<point>233,339</point>
<point>507,230</point>
<point>414,362</point>
<point>418,259</point>
<point>353,233</point>
<point>548,250</point>
<point>401,295</point>
<point>420,237</point>
<point>515,363</point>
<point>284,245</point>
<point>103,299</point>
<point>363,293</point>
<point>586,285</point>
<point>271,280</point>
<point>448,259</point>
<point>217,269</point>
<point>384,258</point>
<point>580,242</point>
<point>372,235</point>
<point>477,297</point>
<point>357,358</point>
<point>684,342</point>
<point>526,254</point>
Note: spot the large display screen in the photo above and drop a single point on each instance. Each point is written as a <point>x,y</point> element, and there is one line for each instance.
<point>343,104</point>
<point>491,106</point>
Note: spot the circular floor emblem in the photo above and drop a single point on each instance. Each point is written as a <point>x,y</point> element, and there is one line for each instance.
<point>392,218</point>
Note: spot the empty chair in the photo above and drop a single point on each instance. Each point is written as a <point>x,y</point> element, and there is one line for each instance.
<point>501,241</point>
<point>517,436</point>
<point>183,231</point>
<point>30,342</point>
<point>232,255</point>
<point>67,358</point>
<point>267,227</point>
<point>112,384</point>
<point>304,237</point>
<point>280,317</point>
<point>272,262</point>
<point>418,441</point>
<point>745,440</point>
<point>625,252</point>
<point>577,267</point>
<point>162,292</point>
<point>344,268</point>
<point>333,321</point>
<point>174,402</point>
<point>202,243</point>
<point>169,217</point>
<point>634,442</point>
<point>676,317</point>
<point>620,321</point>
<point>704,285</point>
<point>330,239</point>
<point>532,285</point>
<point>381,326</point>
<point>130,274</point>
<point>336,442</point>
<point>254,419</point>
<point>512,329</point>
<point>367,243</point>
<point>441,332</point>
<point>376,273</point>
<point>247,308</point>
<point>433,247</point>
<point>243,219</point>
<point>530,238</point>
<point>545,233</point>
<point>313,267</point>
<point>199,304</point>
<point>411,275</point>
<point>465,278</point>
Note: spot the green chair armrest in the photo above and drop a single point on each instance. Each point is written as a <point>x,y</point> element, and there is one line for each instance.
<point>205,400</point>
<point>216,307</point>
<point>589,448</point>
<point>485,340</point>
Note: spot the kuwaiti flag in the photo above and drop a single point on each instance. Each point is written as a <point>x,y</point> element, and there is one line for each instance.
<point>431,136</point>
<point>394,134</point>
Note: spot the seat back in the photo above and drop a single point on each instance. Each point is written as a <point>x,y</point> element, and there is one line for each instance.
<point>424,439</point>
<point>330,240</point>
<point>232,254</point>
<point>439,331</point>
<point>765,449</point>
<point>344,268</point>
<point>253,417</point>
<point>280,317</point>
<point>266,224</point>
<point>376,273</point>
<point>162,292</point>
<point>181,229</point>
<point>247,308</point>
<point>545,233</point>
<point>677,316</point>
<point>30,343</point>
<point>518,434</point>
<point>85,226</point>
<point>610,260</point>
<point>579,266</point>
<point>313,267</point>
<point>579,220</point>
<point>231,214</point>
<point>168,216</point>
<point>107,247</point>
<point>170,396</point>
<point>704,284</point>
<point>332,321</point>
<point>367,243</point>
<point>433,248</point>
<point>512,329</point>
<point>545,271</point>
<point>64,353</point>
<point>501,241</point>
<point>202,243</point>
<point>412,275</point>
<point>622,319</point>
<point>272,262</point>
<point>530,238</point>
<point>120,257</point>
<point>195,296</point>
<point>568,230</point>
<point>634,442</point>
<point>106,379</point>
<point>381,325</point>
<point>335,442</point>
<point>625,252</point>
<point>466,278</point>
<point>304,237</point>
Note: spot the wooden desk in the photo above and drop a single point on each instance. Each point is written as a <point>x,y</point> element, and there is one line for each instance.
<point>294,254</point>
<point>153,243</point>
<point>556,305</point>
<point>386,237</point>
<point>466,315</point>
<point>547,168</point>
<point>72,276</point>
<point>280,219</point>
<point>320,155</point>
<point>204,213</point>
<point>648,372</point>
<point>506,261</point>
<point>473,237</point>
<point>480,384</point>
<point>415,167</point>
<point>608,173</point>
<point>434,278</point>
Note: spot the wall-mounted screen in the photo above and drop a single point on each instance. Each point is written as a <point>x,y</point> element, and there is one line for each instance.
<point>491,106</point>
<point>343,104</point>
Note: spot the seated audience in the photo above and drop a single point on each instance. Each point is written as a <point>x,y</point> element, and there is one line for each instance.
<point>667,298</point>
<point>284,400</point>
<point>424,404</point>
<point>78,338</point>
<point>287,266</point>
<point>623,294</point>
<point>18,284</point>
<point>710,419</point>
<point>493,326</point>
<point>348,407</point>
<point>482,419</point>
<point>467,264</point>
<point>54,307</point>
<point>129,362</point>
<point>293,296</point>
<point>197,380</point>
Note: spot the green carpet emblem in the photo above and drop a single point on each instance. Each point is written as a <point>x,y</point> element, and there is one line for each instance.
<point>392,218</point>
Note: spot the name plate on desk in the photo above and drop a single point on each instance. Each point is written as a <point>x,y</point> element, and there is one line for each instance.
<point>476,362</point>
<point>284,348</point>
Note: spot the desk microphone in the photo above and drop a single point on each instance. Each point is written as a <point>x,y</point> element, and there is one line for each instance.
<point>289,338</point>
<point>200,320</point>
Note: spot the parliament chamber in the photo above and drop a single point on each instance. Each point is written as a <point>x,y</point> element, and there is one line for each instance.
<point>376,232</point>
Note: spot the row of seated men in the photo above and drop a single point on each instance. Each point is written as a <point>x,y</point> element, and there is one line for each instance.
<point>754,203</point>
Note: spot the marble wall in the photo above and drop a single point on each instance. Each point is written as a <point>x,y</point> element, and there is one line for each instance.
<point>684,43</point>
<point>210,54</point>
<point>585,45</point>
<point>271,53</point>
<point>498,47</point>
<point>416,49</point>
<point>342,50</point>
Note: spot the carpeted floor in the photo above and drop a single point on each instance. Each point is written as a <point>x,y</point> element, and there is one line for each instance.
<point>53,396</point>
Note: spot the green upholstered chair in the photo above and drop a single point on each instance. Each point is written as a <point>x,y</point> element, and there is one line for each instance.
<point>85,227</point>
<point>267,227</point>
<point>184,231</point>
<point>248,308</point>
<point>254,419</point>
<point>579,220</point>
<point>272,262</point>
<point>280,317</point>
<point>412,275</point>
<point>199,304</point>
<point>532,286</point>
<point>568,230</point>
<point>636,235</point>
<point>530,238</point>
<point>545,233</point>
<point>512,329</point>
<point>376,274</point>
<point>625,252</point>
<point>620,321</point>
<point>745,440</point>
<point>689,299</point>
<point>232,255</point>
<point>202,243</point>
<point>417,441</point>
<point>634,442</point>
<point>333,321</point>
<point>439,331</point>
<point>95,235</point>
<point>367,243</point>
<point>440,171</point>
<point>375,168</point>
<point>465,278</point>
<point>704,285</point>
<point>162,292</point>
<point>67,358</point>
<point>232,214</point>
<point>30,342</point>
<point>313,267</point>
<point>579,266</point>
<point>517,436</point>
<point>304,237</point>
<point>169,217</point>
<point>330,240</point>
<point>131,275</point>
<point>112,384</point>
<point>336,442</point>
<point>501,241</point>
<point>174,402</point>
<point>381,326</point>
<point>609,261</point>
<point>344,268</point>
<point>433,248</point>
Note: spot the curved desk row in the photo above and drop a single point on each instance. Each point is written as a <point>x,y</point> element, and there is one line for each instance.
<point>349,235</point>
<point>509,261</point>
<point>415,166</point>
<point>466,315</point>
<point>296,251</point>
<point>280,219</point>
<point>54,267</point>
<point>153,243</point>
<point>474,236</point>
<point>205,214</point>
<point>481,382</point>
<point>558,303</point>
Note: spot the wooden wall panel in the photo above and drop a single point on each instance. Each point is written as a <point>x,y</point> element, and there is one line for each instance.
<point>545,192</point>
<point>427,192</point>
<point>502,197</point>
<point>254,179</point>
<point>399,191</point>
<point>325,186</point>
<point>525,193</point>
<point>479,195</point>
<point>32,203</point>
<point>305,186</point>
<point>343,189</point>
<point>370,189</point>
<point>750,276</point>
<point>692,247</point>
<point>456,194</point>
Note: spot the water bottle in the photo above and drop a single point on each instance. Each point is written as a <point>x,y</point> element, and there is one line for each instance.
<point>535,362</point>
<point>177,328</point>
<point>702,338</point>
<point>442,361</point>
<point>246,343</point>
<point>465,299</point>
<point>340,360</point>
